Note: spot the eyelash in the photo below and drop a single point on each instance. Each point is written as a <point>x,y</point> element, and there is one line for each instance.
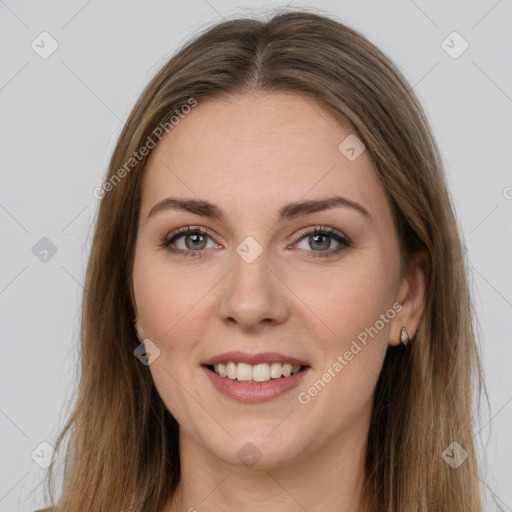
<point>188,230</point>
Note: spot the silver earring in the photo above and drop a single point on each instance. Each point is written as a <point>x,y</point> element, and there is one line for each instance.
<point>404,337</point>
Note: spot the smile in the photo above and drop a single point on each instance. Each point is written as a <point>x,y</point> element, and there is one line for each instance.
<point>255,378</point>
<point>263,372</point>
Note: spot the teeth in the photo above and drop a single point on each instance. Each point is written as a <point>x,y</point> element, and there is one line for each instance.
<point>244,371</point>
<point>276,370</point>
<point>262,372</point>
<point>231,370</point>
<point>221,369</point>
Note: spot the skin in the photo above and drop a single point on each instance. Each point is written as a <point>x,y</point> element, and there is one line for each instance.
<point>250,155</point>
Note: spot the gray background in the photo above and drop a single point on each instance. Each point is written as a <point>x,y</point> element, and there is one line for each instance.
<point>62,115</point>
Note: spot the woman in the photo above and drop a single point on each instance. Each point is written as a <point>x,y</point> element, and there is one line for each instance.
<point>276,312</point>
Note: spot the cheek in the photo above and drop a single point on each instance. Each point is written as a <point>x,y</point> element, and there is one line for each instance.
<point>347,304</point>
<point>167,296</point>
<point>168,303</point>
<point>355,308</point>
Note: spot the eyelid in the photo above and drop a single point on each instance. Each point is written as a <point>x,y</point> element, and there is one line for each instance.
<point>186,230</point>
<point>343,240</point>
<point>323,229</point>
<point>301,233</point>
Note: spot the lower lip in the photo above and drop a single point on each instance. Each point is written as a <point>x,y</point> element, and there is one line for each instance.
<point>256,392</point>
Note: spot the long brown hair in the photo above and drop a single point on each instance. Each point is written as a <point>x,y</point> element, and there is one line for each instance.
<point>123,451</point>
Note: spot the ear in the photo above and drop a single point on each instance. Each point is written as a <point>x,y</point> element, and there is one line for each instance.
<point>411,295</point>
<point>136,323</point>
<point>138,330</point>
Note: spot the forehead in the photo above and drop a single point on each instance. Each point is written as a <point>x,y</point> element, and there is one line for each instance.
<point>252,151</point>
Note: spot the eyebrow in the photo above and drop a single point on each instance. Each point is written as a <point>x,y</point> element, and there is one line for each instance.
<point>289,211</point>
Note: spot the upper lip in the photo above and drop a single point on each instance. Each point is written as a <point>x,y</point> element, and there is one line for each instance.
<point>262,357</point>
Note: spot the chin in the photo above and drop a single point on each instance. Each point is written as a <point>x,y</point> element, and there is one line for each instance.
<point>257,451</point>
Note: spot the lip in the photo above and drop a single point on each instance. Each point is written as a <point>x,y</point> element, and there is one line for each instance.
<point>262,357</point>
<point>255,392</point>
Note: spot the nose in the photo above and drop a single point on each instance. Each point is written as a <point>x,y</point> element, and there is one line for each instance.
<point>253,295</point>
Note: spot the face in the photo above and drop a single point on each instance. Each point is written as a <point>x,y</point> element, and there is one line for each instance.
<point>254,277</point>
